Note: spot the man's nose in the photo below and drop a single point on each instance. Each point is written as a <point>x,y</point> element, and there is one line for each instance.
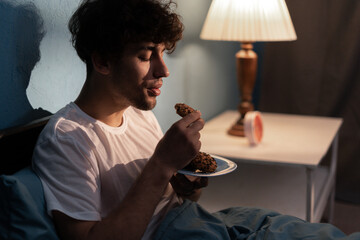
<point>161,69</point>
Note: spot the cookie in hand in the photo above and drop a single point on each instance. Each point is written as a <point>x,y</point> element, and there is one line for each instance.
<point>203,162</point>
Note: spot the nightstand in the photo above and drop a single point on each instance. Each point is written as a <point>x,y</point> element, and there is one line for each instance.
<point>282,173</point>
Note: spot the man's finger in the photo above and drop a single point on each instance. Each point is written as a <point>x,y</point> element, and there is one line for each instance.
<point>190,118</point>
<point>202,182</point>
<point>197,125</point>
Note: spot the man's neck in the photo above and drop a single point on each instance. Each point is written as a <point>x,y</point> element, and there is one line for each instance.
<point>96,102</point>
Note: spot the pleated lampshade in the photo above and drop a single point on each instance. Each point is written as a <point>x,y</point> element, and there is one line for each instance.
<point>248,21</point>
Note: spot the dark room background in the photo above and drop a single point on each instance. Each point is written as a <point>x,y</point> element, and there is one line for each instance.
<point>319,74</point>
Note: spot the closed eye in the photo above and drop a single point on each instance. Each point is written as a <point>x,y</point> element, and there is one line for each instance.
<point>145,55</point>
<point>144,59</point>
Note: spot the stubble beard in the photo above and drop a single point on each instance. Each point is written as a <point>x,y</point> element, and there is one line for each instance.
<point>143,103</point>
<point>147,106</point>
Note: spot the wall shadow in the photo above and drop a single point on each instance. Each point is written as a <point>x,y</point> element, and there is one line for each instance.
<point>21,31</point>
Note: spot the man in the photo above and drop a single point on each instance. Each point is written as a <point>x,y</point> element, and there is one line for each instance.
<point>103,160</point>
<point>106,168</point>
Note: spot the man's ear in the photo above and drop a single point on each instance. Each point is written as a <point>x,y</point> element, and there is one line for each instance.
<point>100,63</point>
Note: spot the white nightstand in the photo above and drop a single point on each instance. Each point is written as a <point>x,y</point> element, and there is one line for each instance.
<point>282,173</point>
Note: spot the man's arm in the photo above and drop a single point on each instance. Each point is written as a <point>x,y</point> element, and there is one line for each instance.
<point>130,219</point>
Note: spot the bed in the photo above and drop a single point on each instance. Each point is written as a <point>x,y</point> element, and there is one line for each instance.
<point>22,204</point>
<point>23,212</point>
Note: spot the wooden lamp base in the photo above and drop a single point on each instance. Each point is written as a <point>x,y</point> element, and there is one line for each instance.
<point>237,129</point>
<point>246,66</point>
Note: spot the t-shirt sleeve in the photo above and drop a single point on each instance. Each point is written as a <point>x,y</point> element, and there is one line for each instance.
<point>68,171</point>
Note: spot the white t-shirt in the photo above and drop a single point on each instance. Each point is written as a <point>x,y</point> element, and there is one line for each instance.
<point>87,167</point>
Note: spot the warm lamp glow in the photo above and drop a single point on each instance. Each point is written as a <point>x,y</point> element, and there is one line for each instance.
<point>247,21</point>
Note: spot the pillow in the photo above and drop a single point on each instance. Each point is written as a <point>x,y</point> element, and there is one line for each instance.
<point>22,208</point>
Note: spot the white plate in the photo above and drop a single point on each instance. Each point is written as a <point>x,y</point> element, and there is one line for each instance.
<point>224,166</point>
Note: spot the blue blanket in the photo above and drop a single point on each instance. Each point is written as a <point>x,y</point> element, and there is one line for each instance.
<point>191,221</point>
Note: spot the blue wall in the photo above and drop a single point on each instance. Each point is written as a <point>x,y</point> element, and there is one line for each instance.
<point>40,71</point>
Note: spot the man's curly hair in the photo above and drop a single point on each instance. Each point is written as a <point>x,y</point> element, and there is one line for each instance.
<point>107,26</point>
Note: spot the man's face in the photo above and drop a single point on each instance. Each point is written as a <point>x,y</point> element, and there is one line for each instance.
<point>137,76</point>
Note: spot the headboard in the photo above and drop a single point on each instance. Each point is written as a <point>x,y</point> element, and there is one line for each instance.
<point>17,144</point>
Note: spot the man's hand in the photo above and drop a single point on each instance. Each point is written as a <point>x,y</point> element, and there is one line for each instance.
<point>180,143</point>
<point>188,187</point>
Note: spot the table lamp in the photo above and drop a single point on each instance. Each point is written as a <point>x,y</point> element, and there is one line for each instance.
<point>247,21</point>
